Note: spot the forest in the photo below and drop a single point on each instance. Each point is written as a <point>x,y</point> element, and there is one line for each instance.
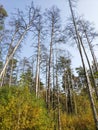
<point>42,92</point>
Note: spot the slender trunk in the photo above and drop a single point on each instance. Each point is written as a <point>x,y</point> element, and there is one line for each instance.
<point>92,52</point>
<point>88,81</point>
<point>69,96</point>
<point>58,98</point>
<point>3,78</point>
<point>17,72</point>
<point>65,89</point>
<point>10,80</point>
<point>37,66</point>
<point>32,72</point>
<point>50,64</point>
<point>46,80</point>
<point>92,76</point>
<point>39,85</point>
<point>92,101</point>
<point>53,98</point>
<point>90,94</point>
<point>9,52</point>
<point>74,97</point>
<point>49,76</point>
<point>59,118</point>
<point>11,55</point>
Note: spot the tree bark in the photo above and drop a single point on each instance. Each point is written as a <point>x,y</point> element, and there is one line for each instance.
<point>38,67</point>
<point>10,80</point>
<point>11,55</point>
<point>92,101</point>
<point>88,81</point>
<point>92,76</point>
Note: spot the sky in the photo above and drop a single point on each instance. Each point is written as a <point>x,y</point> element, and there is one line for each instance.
<point>86,8</point>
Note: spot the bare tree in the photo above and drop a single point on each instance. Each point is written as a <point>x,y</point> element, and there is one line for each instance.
<point>88,33</point>
<point>23,25</point>
<point>53,18</point>
<point>39,31</point>
<point>81,54</point>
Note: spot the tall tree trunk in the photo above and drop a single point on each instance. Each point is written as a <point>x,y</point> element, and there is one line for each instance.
<point>38,66</point>
<point>53,98</point>
<point>73,100</point>
<point>50,65</point>
<point>58,98</point>
<point>46,80</point>
<point>39,85</point>
<point>74,97</point>
<point>65,92</point>
<point>69,96</point>
<point>10,80</point>
<point>88,81</point>
<point>11,55</point>
<point>9,52</point>
<point>92,51</point>
<point>92,76</point>
<point>92,101</point>
<point>90,94</point>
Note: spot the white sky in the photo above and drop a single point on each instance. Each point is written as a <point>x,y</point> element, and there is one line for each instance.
<point>88,8</point>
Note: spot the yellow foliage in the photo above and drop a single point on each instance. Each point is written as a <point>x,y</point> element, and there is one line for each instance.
<point>22,111</point>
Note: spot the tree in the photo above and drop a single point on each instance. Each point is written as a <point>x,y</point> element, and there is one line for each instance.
<point>3,14</point>
<point>87,79</point>
<point>53,19</point>
<point>26,79</point>
<point>22,26</point>
<point>67,83</point>
<point>88,33</point>
<point>39,35</point>
<point>81,75</point>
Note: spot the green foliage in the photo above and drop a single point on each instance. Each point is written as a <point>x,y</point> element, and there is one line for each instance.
<point>63,63</point>
<point>1,27</point>
<point>26,79</point>
<point>3,12</point>
<point>20,110</point>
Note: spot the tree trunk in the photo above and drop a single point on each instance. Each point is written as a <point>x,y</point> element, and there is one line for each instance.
<point>58,98</point>
<point>11,55</point>
<point>53,98</point>
<point>46,80</point>
<point>37,67</point>
<point>88,81</point>
<point>92,101</point>
<point>49,73</point>
<point>92,76</point>
<point>92,52</point>
<point>10,80</point>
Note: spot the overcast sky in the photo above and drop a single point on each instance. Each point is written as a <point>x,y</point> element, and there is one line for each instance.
<point>87,8</point>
